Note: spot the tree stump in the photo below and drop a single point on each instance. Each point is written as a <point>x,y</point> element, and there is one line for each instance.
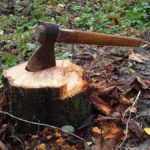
<point>57,96</point>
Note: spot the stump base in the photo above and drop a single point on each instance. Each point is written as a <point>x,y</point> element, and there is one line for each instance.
<point>57,96</point>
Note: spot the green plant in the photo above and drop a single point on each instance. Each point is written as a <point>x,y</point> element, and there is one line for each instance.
<point>104,16</point>
<point>8,60</point>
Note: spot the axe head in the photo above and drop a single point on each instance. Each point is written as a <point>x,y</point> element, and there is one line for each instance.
<point>44,56</point>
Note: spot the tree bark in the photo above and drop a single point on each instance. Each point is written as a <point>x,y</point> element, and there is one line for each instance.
<point>57,96</point>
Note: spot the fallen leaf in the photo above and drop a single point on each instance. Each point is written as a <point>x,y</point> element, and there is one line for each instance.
<point>49,137</point>
<point>103,108</point>
<point>136,57</point>
<point>41,147</point>
<point>123,100</point>
<point>46,130</point>
<point>147,130</point>
<point>147,94</point>
<point>120,108</point>
<point>59,7</point>
<point>127,136</point>
<point>147,82</point>
<point>101,84</point>
<point>114,93</point>
<point>57,134</point>
<point>139,84</point>
<point>96,130</point>
<point>109,92</point>
<point>60,140</point>
<point>119,83</point>
<point>102,144</point>
<point>96,98</point>
<point>115,141</point>
<point>134,127</point>
<point>109,68</point>
<point>111,130</point>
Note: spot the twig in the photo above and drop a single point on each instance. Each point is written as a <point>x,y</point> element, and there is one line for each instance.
<point>126,130</point>
<point>41,124</point>
<point>137,116</point>
<point>129,108</point>
<point>139,93</point>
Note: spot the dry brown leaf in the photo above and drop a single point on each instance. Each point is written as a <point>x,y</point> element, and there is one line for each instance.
<point>96,130</point>
<point>134,127</point>
<point>119,83</point>
<point>109,93</point>
<point>96,98</point>
<point>139,84</point>
<point>41,147</point>
<point>57,134</point>
<point>49,137</point>
<point>103,108</point>
<point>137,57</point>
<point>147,94</point>
<point>123,100</point>
<point>59,7</point>
<point>127,136</point>
<point>101,85</point>
<point>111,130</point>
<point>60,140</point>
<point>102,144</point>
<point>46,130</point>
<point>120,108</point>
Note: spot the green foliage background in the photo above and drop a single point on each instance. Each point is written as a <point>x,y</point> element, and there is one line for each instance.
<point>19,18</point>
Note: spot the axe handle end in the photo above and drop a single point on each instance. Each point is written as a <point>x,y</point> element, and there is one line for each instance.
<point>79,37</point>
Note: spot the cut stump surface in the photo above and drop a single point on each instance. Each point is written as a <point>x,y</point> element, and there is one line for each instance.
<point>57,95</point>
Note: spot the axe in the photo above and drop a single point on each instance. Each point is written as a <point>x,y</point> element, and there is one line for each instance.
<point>47,34</point>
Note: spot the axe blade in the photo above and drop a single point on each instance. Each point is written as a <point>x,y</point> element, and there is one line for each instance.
<point>41,60</point>
<point>44,56</point>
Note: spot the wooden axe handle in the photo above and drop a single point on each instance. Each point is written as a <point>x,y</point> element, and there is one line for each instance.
<point>79,37</point>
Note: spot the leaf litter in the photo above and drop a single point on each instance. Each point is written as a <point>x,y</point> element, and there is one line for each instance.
<point>115,82</point>
<point>112,95</point>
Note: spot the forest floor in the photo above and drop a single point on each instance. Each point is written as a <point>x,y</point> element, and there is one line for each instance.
<point>119,76</point>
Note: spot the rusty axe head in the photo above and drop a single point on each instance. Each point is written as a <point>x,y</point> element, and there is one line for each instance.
<point>44,57</point>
